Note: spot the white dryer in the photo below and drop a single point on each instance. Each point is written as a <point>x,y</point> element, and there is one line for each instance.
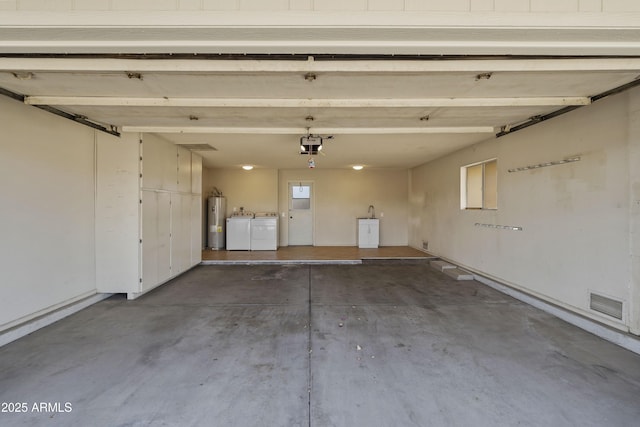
<point>264,232</point>
<point>239,233</point>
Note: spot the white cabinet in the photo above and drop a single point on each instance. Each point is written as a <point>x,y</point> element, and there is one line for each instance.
<point>368,232</point>
<point>117,211</point>
<point>196,230</point>
<point>184,170</point>
<point>158,166</point>
<point>156,239</point>
<point>148,213</point>
<point>180,233</point>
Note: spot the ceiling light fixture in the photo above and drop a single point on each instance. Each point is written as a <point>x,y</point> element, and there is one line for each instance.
<point>247,167</point>
<point>358,167</point>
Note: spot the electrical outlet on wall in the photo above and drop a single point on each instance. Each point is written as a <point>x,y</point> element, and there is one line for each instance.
<point>425,244</point>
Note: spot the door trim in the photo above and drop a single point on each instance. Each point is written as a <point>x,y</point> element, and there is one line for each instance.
<point>313,207</point>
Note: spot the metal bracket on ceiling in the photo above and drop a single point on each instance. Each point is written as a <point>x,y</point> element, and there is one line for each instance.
<point>111,130</point>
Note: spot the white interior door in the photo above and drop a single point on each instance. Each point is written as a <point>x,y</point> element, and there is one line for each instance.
<point>300,214</point>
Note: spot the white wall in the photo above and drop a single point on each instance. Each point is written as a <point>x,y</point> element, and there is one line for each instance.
<point>575,217</point>
<point>255,190</point>
<point>342,195</point>
<point>47,255</point>
<point>634,201</point>
<point>329,5</point>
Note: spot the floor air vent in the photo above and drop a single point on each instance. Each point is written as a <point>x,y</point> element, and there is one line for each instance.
<point>606,305</point>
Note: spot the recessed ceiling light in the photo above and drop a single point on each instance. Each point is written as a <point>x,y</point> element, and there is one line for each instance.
<point>247,167</point>
<point>358,167</point>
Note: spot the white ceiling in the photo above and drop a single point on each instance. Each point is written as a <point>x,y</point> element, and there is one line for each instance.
<point>255,111</point>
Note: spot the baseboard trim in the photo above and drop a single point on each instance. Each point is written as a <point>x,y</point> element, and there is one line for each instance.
<point>31,326</point>
<point>617,337</point>
<point>280,262</point>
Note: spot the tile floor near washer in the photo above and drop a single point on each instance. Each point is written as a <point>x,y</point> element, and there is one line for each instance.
<point>388,345</point>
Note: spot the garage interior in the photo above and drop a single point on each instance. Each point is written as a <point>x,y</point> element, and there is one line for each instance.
<point>501,139</point>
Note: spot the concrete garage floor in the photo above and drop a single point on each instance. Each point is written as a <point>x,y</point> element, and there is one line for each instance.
<point>391,345</point>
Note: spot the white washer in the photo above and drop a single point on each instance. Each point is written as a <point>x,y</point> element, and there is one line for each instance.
<point>264,232</point>
<point>239,233</point>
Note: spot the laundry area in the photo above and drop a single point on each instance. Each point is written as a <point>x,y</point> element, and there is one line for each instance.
<point>320,345</point>
<point>243,230</point>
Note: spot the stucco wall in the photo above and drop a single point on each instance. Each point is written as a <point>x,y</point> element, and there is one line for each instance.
<point>47,255</point>
<point>574,217</point>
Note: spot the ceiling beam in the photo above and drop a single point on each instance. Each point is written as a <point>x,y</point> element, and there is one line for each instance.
<point>154,18</point>
<point>417,32</point>
<point>338,47</point>
<point>304,103</point>
<point>311,130</point>
<point>79,65</point>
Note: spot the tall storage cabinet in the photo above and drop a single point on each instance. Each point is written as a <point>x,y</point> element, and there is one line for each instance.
<point>163,214</point>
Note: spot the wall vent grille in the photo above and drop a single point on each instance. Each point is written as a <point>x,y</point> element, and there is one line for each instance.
<point>605,305</point>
